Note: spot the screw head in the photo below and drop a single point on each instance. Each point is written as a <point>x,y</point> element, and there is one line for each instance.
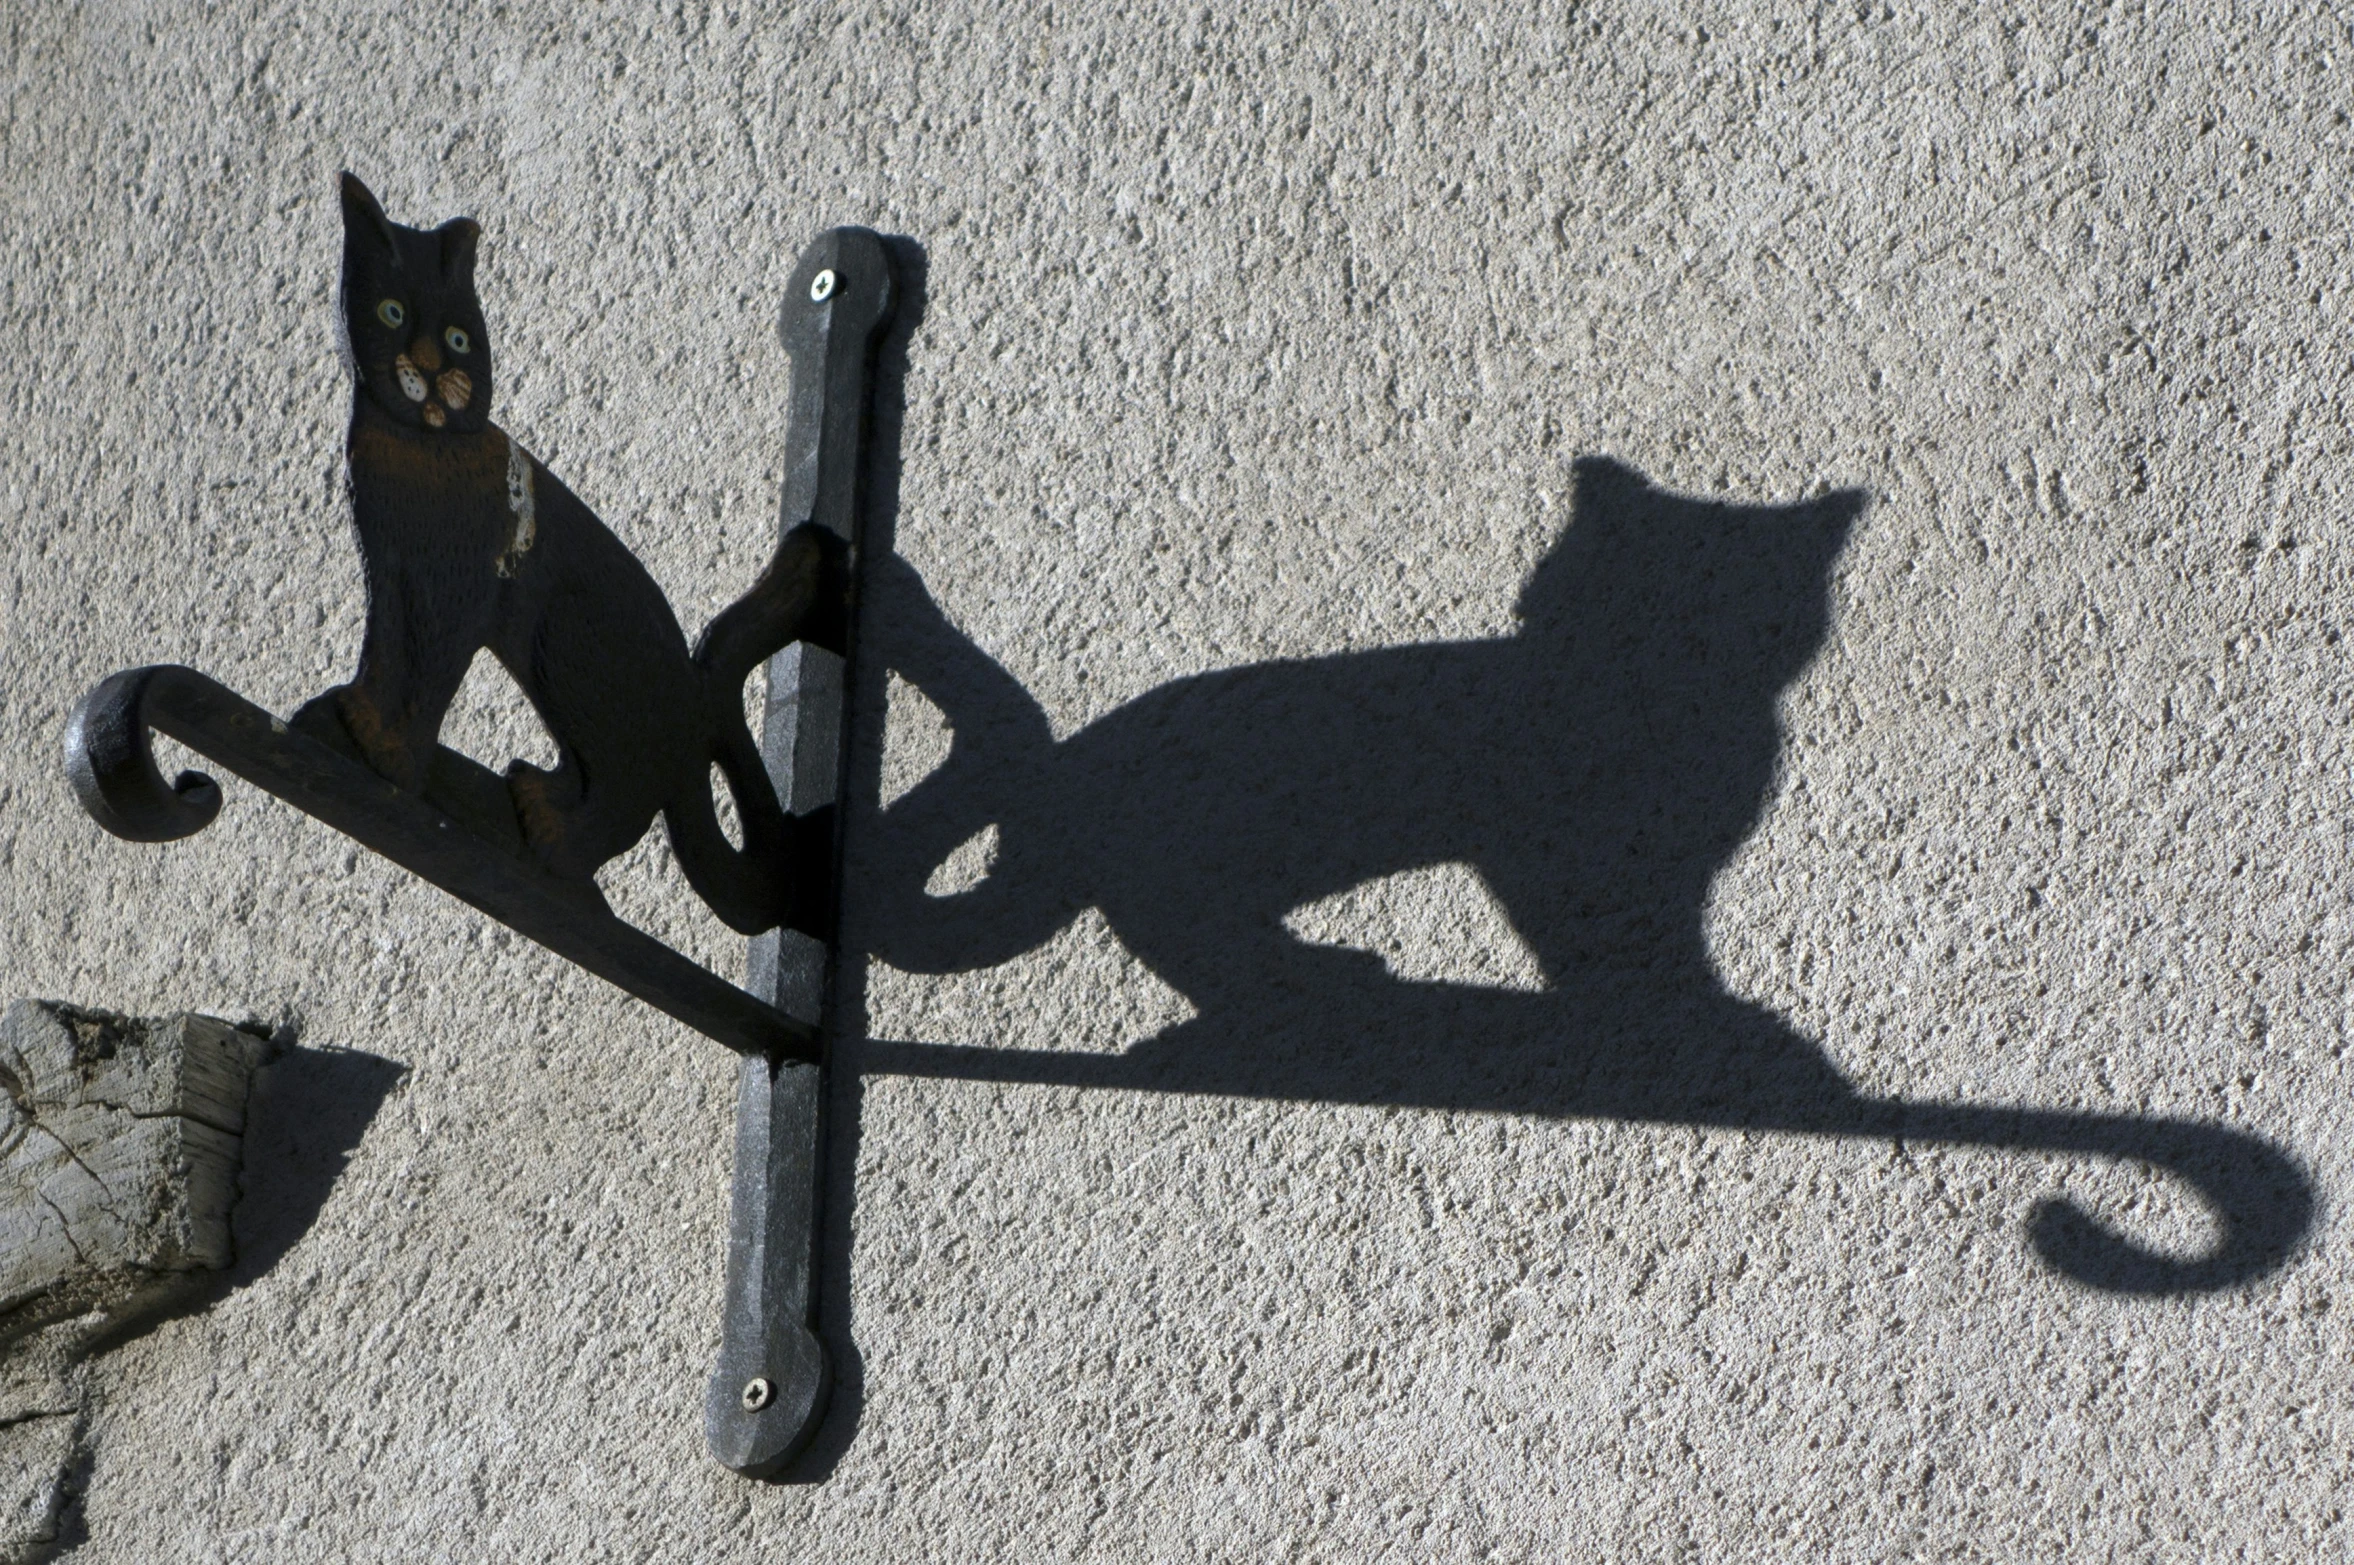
<point>757,1391</point>
<point>821,287</point>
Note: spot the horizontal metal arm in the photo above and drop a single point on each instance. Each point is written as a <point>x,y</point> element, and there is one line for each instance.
<point>112,765</point>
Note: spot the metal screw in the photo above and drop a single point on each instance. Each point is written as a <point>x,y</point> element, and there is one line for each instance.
<point>757,1390</point>
<point>821,288</point>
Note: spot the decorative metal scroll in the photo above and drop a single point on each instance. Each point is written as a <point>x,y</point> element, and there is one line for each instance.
<point>470,543</point>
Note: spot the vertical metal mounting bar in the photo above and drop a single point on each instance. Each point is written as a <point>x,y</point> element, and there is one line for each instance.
<point>768,1393</point>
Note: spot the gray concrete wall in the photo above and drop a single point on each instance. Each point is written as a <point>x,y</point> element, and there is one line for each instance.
<point>1256,351</point>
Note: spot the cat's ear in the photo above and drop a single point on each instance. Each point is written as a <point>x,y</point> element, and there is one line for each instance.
<point>363,217</point>
<point>458,238</point>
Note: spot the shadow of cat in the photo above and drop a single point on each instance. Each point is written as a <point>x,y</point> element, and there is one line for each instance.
<point>1596,769</point>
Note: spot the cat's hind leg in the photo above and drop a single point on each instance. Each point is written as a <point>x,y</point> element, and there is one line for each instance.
<point>548,808</point>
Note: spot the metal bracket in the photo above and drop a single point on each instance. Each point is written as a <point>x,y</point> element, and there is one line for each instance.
<point>364,758</point>
<point>768,1393</point>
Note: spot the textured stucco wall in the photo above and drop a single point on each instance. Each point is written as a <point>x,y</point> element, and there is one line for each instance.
<point>1252,337</point>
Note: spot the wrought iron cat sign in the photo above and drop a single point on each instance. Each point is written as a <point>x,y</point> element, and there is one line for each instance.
<point>469,543</point>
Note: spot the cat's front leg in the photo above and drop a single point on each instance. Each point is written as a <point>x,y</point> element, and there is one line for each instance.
<point>351,721</point>
<point>383,736</point>
<point>321,718</point>
<point>391,723</point>
<point>420,640</point>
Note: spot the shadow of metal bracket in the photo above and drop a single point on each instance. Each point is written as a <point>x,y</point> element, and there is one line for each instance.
<point>768,1392</point>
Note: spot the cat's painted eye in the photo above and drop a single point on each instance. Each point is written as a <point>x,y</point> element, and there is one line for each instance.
<point>391,313</point>
<point>459,342</point>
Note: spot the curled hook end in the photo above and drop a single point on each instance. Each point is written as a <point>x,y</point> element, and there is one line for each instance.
<point>110,760</point>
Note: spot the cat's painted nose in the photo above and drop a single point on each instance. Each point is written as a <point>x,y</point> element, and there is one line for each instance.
<point>425,353</point>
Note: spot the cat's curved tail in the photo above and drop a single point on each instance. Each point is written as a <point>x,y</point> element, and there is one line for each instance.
<point>768,881</point>
<point>802,596</point>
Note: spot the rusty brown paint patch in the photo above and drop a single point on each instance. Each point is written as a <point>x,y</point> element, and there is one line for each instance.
<point>542,820</point>
<point>425,353</point>
<point>433,415</point>
<point>448,462</point>
<point>377,739</point>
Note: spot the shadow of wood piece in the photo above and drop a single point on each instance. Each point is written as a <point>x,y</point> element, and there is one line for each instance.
<point>120,1142</point>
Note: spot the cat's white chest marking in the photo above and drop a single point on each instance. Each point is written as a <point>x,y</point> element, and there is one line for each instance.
<point>520,507</point>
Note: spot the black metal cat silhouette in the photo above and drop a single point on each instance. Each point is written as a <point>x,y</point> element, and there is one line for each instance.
<point>468,544</point>
<point>1595,769</point>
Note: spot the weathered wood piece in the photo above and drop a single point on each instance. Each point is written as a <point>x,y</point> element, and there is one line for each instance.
<point>120,1143</point>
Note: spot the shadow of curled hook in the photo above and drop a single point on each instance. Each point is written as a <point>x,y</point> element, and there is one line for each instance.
<point>110,759</point>
<point>2259,1196</point>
